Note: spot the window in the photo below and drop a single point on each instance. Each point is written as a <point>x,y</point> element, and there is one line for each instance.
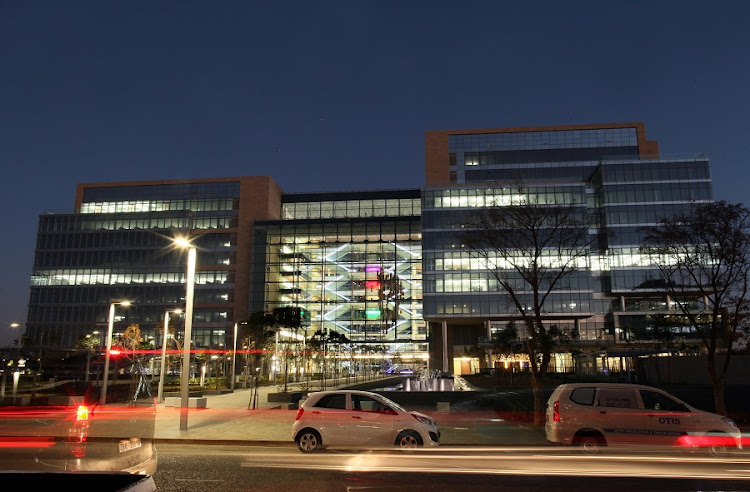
<point>332,401</point>
<point>617,398</point>
<point>367,404</point>
<point>657,401</point>
<point>583,396</point>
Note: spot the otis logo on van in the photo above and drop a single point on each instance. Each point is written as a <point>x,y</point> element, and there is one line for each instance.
<point>669,420</point>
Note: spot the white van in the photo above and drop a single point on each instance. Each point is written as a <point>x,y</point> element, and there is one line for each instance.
<point>592,415</point>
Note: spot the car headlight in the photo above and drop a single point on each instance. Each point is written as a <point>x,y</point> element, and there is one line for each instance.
<point>729,421</point>
<point>424,420</point>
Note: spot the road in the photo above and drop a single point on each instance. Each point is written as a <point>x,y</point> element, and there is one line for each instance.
<point>199,468</point>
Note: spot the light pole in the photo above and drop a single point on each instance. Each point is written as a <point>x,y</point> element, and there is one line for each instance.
<point>234,356</point>
<point>18,342</point>
<point>6,367</point>
<point>185,375</point>
<point>110,329</point>
<point>164,354</point>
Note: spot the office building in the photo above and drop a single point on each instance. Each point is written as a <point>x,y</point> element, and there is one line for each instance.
<point>383,268</point>
<point>611,170</point>
<point>118,245</point>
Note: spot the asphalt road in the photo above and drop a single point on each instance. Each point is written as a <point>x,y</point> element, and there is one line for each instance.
<point>199,468</point>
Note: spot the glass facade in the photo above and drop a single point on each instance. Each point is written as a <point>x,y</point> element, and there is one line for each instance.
<point>598,169</point>
<point>378,267</point>
<point>458,286</point>
<point>353,264</point>
<point>119,247</point>
<point>530,155</point>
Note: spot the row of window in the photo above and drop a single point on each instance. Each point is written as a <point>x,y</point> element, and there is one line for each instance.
<point>492,306</point>
<point>168,295</point>
<point>126,239</point>
<point>486,282</point>
<point>464,261</point>
<point>655,304</point>
<point>501,197</point>
<point>548,155</point>
<point>214,222</point>
<point>655,171</point>
<point>109,277</point>
<point>646,213</point>
<point>66,336</point>
<point>658,192</point>
<point>144,316</point>
<point>605,137</point>
<point>393,207</point>
<point>134,206</point>
<point>137,258</point>
<point>336,234</point>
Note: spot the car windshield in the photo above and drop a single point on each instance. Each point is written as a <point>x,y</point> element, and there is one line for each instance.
<point>376,245</point>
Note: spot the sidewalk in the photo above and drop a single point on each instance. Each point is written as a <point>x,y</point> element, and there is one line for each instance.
<point>229,419</point>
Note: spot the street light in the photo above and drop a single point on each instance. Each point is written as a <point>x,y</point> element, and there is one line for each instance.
<point>234,356</point>
<point>6,366</point>
<point>164,353</point>
<point>18,342</point>
<point>185,375</point>
<point>110,328</point>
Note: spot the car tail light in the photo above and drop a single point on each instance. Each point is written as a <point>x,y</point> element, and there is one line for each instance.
<point>299,413</point>
<point>78,434</point>
<point>82,414</point>
<point>556,412</point>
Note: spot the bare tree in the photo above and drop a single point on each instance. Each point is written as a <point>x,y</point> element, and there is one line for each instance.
<point>531,249</point>
<point>255,331</point>
<point>706,254</point>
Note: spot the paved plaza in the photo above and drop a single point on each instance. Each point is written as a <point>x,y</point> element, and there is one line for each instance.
<point>231,418</point>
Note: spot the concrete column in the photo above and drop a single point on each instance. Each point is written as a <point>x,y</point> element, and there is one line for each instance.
<point>445,348</point>
<point>488,328</point>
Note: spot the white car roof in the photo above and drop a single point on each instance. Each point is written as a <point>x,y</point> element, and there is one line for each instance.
<point>338,392</point>
<point>604,385</point>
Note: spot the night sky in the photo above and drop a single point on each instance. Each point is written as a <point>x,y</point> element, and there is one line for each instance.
<point>329,96</point>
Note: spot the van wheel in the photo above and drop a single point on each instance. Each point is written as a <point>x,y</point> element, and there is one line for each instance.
<point>718,446</point>
<point>590,443</point>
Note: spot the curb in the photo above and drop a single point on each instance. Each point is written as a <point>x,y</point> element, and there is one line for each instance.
<point>224,442</point>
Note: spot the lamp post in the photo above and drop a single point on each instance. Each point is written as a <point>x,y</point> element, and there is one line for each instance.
<point>185,374</point>
<point>110,329</point>
<point>160,396</point>
<point>18,342</point>
<point>6,366</point>
<point>234,356</point>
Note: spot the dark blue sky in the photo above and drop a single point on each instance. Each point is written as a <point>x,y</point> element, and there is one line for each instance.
<point>328,95</point>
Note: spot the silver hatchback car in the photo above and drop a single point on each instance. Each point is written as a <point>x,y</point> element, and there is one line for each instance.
<point>360,418</point>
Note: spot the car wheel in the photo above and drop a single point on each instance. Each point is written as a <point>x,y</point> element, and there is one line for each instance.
<point>408,440</point>
<point>590,444</point>
<point>718,446</point>
<point>308,441</point>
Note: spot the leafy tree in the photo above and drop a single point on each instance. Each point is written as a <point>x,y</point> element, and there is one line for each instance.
<point>531,249</point>
<point>706,253</point>
<point>506,342</point>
